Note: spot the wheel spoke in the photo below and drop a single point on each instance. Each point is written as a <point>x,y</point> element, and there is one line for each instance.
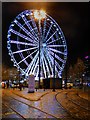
<point>56,45</point>
<point>40,30</point>
<point>51,36</point>
<point>63,61</point>
<point>53,41</point>
<point>48,57</point>
<point>44,29</point>
<point>29,67</point>
<point>43,65</point>
<point>35,66</point>
<point>52,60</point>
<point>48,32</point>
<point>47,68</point>
<point>27,57</point>
<point>55,61</point>
<point>28,25</point>
<point>37,72</point>
<point>19,51</point>
<point>22,36</point>
<point>25,30</point>
<point>35,26</point>
<point>56,51</point>
<point>22,43</point>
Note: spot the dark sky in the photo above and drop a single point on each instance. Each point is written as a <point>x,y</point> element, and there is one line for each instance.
<point>71,17</point>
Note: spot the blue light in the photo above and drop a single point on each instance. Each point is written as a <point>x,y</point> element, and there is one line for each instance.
<point>12,24</point>
<point>48,19</point>
<point>89,84</point>
<point>51,22</point>
<point>27,14</point>
<point>15,21</point>
<point>57,29</point>
<point>8,35</point>
<point>60,33</point>
<point>11,59</point>
<point>8,41</point>
<point>44,44</point>
<point>23,15</point>
<point>25,35</point>
<point>54,25</point>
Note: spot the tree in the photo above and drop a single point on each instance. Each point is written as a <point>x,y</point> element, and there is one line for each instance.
<point>79,68</point>
<point>71,73</point>
<point>5,73</point>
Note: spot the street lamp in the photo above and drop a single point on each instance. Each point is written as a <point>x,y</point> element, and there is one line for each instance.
<point>54,74</point>
<point>39,15</point>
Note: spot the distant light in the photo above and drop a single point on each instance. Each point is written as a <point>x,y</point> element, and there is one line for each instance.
<point>83,74</point>
<point>89,84</point>
<point>86,57</point>
<point>21,81</point>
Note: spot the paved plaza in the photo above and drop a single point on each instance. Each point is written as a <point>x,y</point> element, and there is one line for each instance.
<point>66,104</point>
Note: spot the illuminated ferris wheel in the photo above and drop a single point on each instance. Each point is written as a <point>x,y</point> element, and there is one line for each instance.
<point>32,33</point>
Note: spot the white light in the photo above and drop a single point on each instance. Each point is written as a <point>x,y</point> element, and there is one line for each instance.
<point>63,82</point>
<point>60,33</point>
<point>47,19</point>
<point>27,74</point>
<point>51,22</point>
<point>10,30</point>
<point>15,21</point>
<point>31,13</point>
<point>21,81</point>
<point>8,47</point>
<point>22,15</point>
<point>14,64</point>
<point>44,44</point>
<point>11,59</point>
<point>12,24</point>
<point>39,14</point>
<point>54,25</point>
<point>8,35</point>
<point>9,53</point>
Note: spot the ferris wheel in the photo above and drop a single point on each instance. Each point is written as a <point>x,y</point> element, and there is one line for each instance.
<point>28,37</point>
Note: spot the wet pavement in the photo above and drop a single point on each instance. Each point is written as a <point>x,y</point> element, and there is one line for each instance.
<point>41,104</point>
<point>75,105</point>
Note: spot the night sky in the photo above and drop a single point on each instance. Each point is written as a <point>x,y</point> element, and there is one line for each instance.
<point>71,17</point>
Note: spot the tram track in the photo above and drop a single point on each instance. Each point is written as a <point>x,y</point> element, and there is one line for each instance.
<point>76,100</point>
<point>16,100</point>
<point>21,116</point>
<point>78,107</point>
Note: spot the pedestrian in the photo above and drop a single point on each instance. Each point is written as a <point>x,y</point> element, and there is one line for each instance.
<point>20,86</point>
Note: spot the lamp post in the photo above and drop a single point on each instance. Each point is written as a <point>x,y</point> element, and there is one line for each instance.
<point>39,15</point>
<point>19,79</point>
<point>54,74</point>
<point>66,76</point>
